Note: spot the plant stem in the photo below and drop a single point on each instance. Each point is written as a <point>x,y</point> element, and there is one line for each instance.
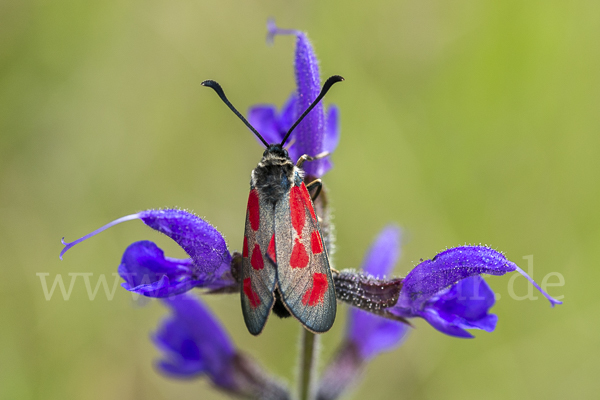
<point>307,362</point>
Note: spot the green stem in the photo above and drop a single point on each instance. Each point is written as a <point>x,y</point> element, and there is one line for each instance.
<point>307,362</point>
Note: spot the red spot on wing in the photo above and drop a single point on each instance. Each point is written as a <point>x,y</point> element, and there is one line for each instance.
<point>297,209</point>
<point>316,293</point>
<point>315,242</point>
<point>245,248</point>
<point>307,200</point>
<point>299,258</point>
<point>271,250</point>
<point>251,294</point>
<point>254,210</point>
<point>257,259</point>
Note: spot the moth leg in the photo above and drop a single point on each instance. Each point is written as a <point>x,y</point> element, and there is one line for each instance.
<point>306,157</point>
<point>316,183</point>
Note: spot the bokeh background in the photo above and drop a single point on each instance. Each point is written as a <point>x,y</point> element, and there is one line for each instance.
<point>472,121</point>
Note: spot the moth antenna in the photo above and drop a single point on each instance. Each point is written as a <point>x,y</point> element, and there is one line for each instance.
<point>217,88</point>
<point>328,84</point>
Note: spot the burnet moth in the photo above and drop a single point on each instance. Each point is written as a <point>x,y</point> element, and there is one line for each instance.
<point>285,266</point>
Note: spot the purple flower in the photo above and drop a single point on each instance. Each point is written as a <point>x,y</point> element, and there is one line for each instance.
<point>317,132</point>
<point>147,271</point>
<point>463,306</point>
<point>194,344</point>
<point>448,292</point>
<point>370,333</point>
<point>367,334</point>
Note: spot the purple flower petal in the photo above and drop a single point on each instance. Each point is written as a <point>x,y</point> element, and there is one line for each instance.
<point>205,245</point>
<point>182,355</point>
<point>447,268</point>
<point>464,306</point>
<point>370,333</point>
<point>288,114</point>
<point>197,237</point>
<point>265,120</point>
<point>383,253</point>
<point>193,343</point>
<point>448,292</point>
<point>147,271</point>
<point>332,131</point>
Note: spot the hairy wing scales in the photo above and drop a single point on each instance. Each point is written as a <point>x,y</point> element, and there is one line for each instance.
<point>258,275</point>
<point>303,273</point>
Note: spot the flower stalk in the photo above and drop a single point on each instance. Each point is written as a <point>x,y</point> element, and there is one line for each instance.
<point>308,360</point>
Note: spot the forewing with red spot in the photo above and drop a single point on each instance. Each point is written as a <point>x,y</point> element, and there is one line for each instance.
<point>303,273</point>
<point>258,275</point>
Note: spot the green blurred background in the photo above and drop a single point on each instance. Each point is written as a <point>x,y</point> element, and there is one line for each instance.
<point>471,121</point>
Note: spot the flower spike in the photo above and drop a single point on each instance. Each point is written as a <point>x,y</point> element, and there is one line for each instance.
<point>317,133</point>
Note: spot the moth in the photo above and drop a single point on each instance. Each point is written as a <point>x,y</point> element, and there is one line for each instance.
<point>285,266</point>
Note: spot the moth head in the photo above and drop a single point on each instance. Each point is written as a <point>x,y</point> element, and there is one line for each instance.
<point>276,150</point>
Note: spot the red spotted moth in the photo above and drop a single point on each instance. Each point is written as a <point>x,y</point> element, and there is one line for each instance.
<point>285,267</point>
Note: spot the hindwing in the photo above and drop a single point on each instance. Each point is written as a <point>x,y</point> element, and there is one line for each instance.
<point>258,275</point>
<point>303,272</point>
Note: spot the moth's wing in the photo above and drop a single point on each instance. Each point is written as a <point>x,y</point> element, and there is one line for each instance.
<point>259,274</point>
<point>303,273</point>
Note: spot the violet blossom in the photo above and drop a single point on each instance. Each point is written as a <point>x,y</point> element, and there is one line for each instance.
<point>147,271</point>
<point>318,132</point>
<point>194,344</point>
<point>367,334</point>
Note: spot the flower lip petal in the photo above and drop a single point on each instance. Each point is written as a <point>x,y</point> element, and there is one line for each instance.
<point>445,324</point>
<point>464,306</point>
<point>147,271</point>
